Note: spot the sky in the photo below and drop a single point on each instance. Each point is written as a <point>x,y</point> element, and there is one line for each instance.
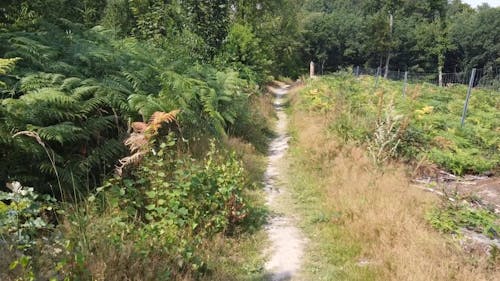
<point>475,3</point>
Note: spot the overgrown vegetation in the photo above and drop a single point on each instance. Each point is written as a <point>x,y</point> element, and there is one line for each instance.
<point>364,219</point>
<point>165,212</point>
<point>132,131</point>
<point>82,81</point>
<point>422,127</point>
<point>451,217</point>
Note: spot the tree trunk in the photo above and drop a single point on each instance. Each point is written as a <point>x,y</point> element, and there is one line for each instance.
<point>387,64</point>
<point>388,59</point>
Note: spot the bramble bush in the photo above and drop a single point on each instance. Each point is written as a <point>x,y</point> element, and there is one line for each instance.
<point>179,203</point>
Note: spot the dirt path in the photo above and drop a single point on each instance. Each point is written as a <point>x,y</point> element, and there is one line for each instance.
<point>287,242</point>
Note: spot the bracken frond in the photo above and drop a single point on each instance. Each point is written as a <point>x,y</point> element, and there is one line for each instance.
<point>161,117</point>
<point>139,127</point>
<point>133,159</point>
<point>138,141</point>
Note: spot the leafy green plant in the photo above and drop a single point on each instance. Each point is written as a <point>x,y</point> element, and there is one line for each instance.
<point>176,204</point>
<point>453,217</point>
<point>25,216</point>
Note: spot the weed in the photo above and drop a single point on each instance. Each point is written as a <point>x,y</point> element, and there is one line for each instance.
<point>385,141</point>
<point>451,216</point>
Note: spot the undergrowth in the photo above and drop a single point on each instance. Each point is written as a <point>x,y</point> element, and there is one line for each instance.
<point>363,219</point>
<point>169,211</point>
<point>423,126</point>
<point>452,216</point>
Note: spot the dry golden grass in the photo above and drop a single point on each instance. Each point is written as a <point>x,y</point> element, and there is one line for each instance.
<point>376,209</point>
<point>264,105</point>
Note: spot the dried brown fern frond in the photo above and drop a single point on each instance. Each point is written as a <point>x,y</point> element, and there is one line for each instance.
<point>161,117</point>
<point>139,127</point>
<point>31,135</point>
<point>133,159</point>
<point>138,141</point>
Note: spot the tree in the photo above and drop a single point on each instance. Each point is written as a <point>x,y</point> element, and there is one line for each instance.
<point>210,20</point>
<point>242,51</point>
<point>476,35</point>
<point>118,17</point>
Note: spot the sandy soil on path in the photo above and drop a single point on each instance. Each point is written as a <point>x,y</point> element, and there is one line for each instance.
<point>286,240</point>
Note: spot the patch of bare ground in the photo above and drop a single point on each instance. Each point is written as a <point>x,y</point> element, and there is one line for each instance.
<point>478,192</point>
<point>483,190</point>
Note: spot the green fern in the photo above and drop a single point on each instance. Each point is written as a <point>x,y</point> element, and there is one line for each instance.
<point>6,65</point>
<point>79,90</point>
<point>31,51</point>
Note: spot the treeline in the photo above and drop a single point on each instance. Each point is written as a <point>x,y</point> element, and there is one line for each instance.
<point>420,36</point>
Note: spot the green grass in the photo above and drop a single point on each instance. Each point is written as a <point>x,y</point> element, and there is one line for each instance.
<point>331,252</point>
<point>238,259</point>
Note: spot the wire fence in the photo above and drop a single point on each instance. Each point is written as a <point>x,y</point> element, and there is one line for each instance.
<point>481,78</point>
<point>475,78</point>
<point>484,78</point>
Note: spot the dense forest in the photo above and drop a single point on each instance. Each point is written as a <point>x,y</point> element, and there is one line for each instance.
<point>415,35</point>
<point>91,88</point>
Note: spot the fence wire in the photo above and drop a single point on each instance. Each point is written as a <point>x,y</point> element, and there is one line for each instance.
<point>484,78</point>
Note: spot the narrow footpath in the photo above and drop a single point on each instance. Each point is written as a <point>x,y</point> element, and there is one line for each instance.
<point>286,240</point>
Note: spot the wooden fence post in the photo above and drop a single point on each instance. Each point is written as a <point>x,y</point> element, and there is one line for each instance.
<point>404,83</point>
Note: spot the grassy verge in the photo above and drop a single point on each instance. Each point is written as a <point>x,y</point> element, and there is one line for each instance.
<point>363,219</point>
